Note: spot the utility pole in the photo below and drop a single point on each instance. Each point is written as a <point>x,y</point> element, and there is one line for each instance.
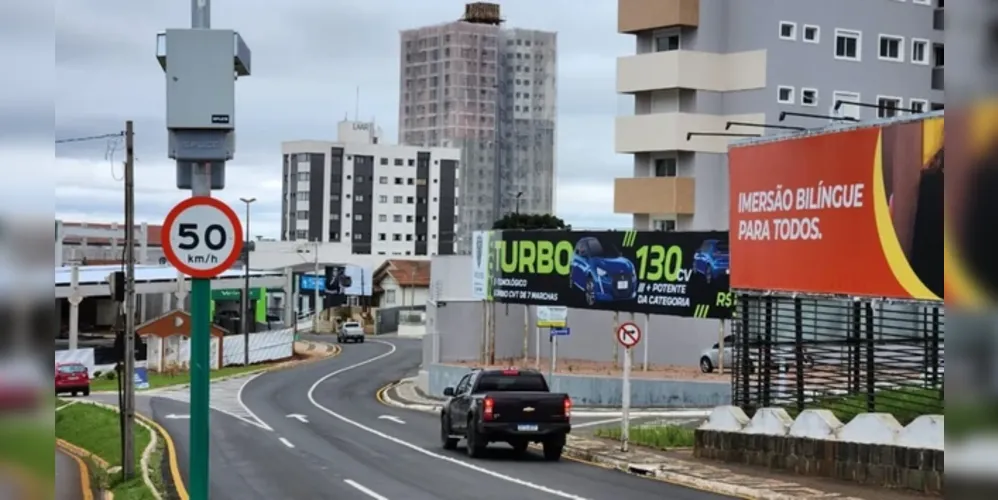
<point>246,286</point>
<point>315,289</point>
<point>128,377</point>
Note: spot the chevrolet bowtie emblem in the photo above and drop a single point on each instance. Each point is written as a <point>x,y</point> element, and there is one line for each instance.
<point>528,409</point>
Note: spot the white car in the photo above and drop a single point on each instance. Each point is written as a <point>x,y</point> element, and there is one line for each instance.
<point>351,331</point>
<point>783,357</point>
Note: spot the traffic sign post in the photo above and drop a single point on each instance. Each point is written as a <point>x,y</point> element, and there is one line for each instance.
<point>629,335</point>
<point>201,237</point>
<point>553,335</point>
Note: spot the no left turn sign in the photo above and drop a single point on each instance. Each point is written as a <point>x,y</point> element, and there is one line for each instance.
<point>202,237</point>
<point>628,334</point>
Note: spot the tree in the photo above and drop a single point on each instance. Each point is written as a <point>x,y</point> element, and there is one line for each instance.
<point>530,222</point>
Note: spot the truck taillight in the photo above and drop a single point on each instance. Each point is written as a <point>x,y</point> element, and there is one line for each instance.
<point>511,371</point>
<point>568,406</point>
<point>488,405</point>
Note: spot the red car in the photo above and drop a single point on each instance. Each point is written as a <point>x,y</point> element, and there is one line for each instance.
<point>73,378</point>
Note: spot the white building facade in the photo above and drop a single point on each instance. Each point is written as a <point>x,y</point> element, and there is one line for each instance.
<point>378,199</point>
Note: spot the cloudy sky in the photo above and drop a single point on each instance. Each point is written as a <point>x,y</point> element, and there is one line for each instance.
<point>309,56</point>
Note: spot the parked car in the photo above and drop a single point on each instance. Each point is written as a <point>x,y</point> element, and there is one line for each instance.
<point>73,378</point>
<point>783,357</point>
<point>512,406</point>
<point>601,272</point>
<point>711,260</point>
<point>351,331</point>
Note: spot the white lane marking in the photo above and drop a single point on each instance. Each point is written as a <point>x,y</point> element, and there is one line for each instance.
<point>364,489</point>
<point>597,422</point>
<point>417,448</point>
<point>393,418</point>
<point>287,443</point>
<point>299,417</point>
<point>239,397</point>
<point>174,416</point>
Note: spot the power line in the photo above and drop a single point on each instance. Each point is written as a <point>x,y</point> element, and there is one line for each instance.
<point>90,138</point>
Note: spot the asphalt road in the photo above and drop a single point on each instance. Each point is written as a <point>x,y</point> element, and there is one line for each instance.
<point>316,431</point>
<point>67,477</point>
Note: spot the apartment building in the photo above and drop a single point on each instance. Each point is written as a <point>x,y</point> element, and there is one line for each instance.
<point>491,92</point>
<point>700,64</point>
<point>94,243</point>
<point>380,199</point>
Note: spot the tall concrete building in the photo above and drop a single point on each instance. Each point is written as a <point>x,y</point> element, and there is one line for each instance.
<point>699,64</point>
<point>491,92</point>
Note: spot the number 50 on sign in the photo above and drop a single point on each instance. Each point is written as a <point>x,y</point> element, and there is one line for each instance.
<point>202,237</point>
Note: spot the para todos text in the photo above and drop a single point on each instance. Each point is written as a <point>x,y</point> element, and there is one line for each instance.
<point>782,200</point>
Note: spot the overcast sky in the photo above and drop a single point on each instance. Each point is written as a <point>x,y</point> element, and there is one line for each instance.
<point>309,56</point>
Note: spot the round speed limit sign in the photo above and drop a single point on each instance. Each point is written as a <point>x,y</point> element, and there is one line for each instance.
<point>202,237</point>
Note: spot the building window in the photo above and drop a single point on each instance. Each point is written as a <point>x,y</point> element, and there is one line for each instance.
<point>302,215</point>
<point>785,94</point>
<point>358,197</point>
<point>383,198</point>
<point>410,181</point>
<point>384,161</point>
<point>919,51</point>
<point>811,34</point>
<point>412,163</point>
<point>845,110</point>
<point>302,195</point>
<point>788,30</point>
<point>397,218</point>
<point>383,180</point>
<point>666,41</point>
<point>360,179</point>
<point>382,237</point>
<point>303,176</point>
<point>887,106</point>
<point>398,181</point>
<point>809,97</point>
<point>918,105</point>
<point>389,297</point>
<point>334,197</point>
<point>666,167</point>
<point>408,218</point>
<point>848,45</point>
<point>382,218</point>
<point>334,216</point>
<point>891,48</point>
<point>399,162</point>
<point>408,237</point>
<point>664,225</point>
<point>396,237</point>
<point>358,236</point>
<point>398,199</point>
<point>409,200</point>
<point>301,233</point>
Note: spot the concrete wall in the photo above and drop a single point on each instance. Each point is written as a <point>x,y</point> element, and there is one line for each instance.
<point>606,391</point>
<point>460,322</point>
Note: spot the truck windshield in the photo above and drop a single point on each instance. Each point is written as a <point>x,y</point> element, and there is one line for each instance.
<point>498,382</point>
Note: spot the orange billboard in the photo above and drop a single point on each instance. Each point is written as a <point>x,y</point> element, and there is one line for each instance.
<point>855,212</point>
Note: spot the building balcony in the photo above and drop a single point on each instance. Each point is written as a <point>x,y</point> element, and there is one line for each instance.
<point>668,131</point>
<point>938,78</point>
<point>939,19</point>
<point>640,15</point>
<point>653,195</point>
<point>687,69</point>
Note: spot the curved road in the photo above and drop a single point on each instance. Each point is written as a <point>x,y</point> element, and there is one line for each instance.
<point>335,445</point>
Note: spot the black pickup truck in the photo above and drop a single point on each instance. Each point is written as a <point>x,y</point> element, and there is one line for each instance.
<point>512,406</point>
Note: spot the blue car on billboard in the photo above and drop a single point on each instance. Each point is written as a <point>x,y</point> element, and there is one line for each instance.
<point>601,272</point>
<point>711,260</point>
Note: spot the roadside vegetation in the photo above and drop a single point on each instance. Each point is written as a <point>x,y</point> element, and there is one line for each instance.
<point>25,443</point>
<point>906,404</point>
<point>107,381</point>
<point>661,437</point>
<point>97,430</point>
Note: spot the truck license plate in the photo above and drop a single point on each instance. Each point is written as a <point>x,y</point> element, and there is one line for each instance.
<point>622,285</point>
<point>527,427</point>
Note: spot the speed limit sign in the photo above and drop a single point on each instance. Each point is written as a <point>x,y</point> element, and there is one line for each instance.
<point>202,237</point>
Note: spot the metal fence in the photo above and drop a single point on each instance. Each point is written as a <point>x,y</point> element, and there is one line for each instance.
<point>847,355</point>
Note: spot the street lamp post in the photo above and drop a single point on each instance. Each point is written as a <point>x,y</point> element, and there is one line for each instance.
<point>518,195</point>
<point>246,285</point>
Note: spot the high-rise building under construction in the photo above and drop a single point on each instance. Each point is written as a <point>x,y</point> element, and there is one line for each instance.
<point>490,91</point>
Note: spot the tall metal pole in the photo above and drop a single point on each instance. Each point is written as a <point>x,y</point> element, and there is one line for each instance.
<point>128,377</point>
<point>246,288</point>
<point>200,433</point>
<point>315,289</point>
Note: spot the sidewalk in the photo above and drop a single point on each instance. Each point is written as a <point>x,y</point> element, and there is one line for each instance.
<point>679,466</point>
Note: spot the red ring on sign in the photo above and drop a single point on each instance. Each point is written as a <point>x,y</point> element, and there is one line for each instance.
<point>171,218</point>
<point>622,333</point>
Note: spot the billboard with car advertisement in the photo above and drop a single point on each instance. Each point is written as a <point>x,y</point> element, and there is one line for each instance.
<point>669,273</point>
<point>855,212</point>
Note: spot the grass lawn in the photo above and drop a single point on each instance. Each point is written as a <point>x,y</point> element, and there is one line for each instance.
<point>905,404</point>
<point>97,430</point>
<point>27,443</point>
<point>158,380</point>
<point>663,437</point>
